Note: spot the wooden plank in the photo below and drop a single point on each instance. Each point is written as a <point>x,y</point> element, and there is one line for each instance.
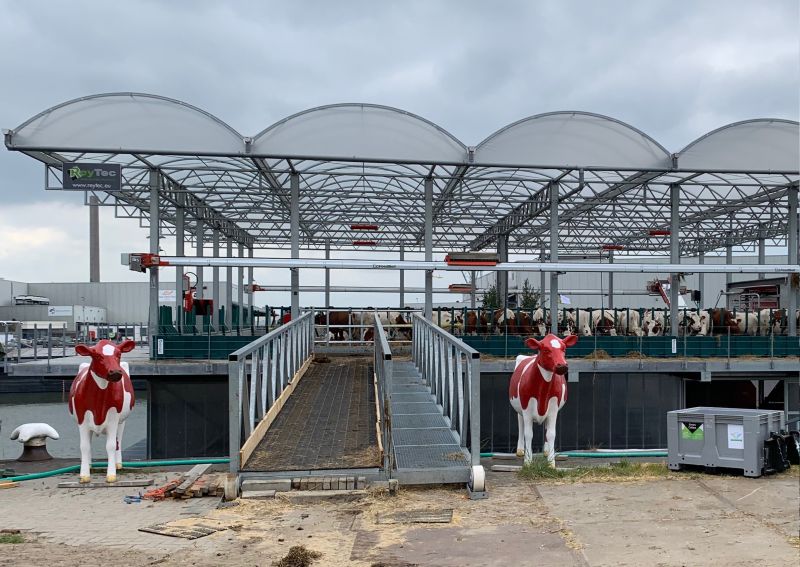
<point>264,425</point>
<point>192,476</point>
<point>506,468</point>
<point>103,484</point>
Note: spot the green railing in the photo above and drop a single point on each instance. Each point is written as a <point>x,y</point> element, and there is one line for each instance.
<point>721,346</point>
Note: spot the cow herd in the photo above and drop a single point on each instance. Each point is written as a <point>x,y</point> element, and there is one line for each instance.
<point>358,325</point>
<point>615,322</point>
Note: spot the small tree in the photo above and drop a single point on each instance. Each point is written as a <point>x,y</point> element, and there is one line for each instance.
<point>490,298</point>
<point>529,299</point>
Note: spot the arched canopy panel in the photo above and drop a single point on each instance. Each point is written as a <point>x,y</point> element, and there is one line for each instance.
<point>128,123</point>
<point>572,139</point>
<point>755,145</point>
<point>361,132</point>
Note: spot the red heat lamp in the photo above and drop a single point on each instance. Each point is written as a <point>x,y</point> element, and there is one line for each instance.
<point>613,247</point>
<point>363,227</point>
<point>364,243</point>
<point>660,232</point>
<point>460,288</point>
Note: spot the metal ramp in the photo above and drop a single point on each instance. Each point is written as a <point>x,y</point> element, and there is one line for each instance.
<point>426,449</point>
<point>417,421</point>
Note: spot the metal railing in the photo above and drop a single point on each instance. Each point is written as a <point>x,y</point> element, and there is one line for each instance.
<point>258,374</point>
<point>451,370</point>
<point>383,367</point>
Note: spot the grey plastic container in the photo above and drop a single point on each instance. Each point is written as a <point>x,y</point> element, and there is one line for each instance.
<point>721,437</point>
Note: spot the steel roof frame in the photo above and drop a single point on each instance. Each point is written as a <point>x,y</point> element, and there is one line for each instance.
<point>248,198</point>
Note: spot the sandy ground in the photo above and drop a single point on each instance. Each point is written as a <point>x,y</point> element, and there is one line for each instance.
<point>710,520</point>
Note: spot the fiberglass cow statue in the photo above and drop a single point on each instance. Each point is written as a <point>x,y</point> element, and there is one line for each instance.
<point>101,398</point>
<point>538,390</point>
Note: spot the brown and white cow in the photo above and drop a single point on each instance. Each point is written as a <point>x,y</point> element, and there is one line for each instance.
<point>101,398</point>
<point>504,322</point>
<point>538,389</point>
<point>476,323</point>
<point>339,322</point>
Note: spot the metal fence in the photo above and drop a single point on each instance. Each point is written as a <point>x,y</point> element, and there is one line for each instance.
<point>383,366</point>
<point>451,369</point>
<point>258,374</point>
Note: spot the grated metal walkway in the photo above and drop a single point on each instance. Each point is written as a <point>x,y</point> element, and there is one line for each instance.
<point>425,448</point>
<point>327,423</point>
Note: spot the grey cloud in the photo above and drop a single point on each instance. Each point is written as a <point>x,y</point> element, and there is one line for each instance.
<point>674,70</point>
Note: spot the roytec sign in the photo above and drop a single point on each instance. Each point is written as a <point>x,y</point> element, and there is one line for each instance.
<point>92,176</point>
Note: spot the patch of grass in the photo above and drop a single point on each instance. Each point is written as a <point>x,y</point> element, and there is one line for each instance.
<point>11,538</point>
<point>298,556</point>
<point>540,469</point>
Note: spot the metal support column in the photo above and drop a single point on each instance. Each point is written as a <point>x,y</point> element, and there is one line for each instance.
<point>295,242</point>
<point>199,235</point>
<point>502,277</point>
<point>251,293</point>
<point>762,255</point>
<point>472,290</point>
<point>554,256</point>
<point>610,280</point>
<point>94,239</point>
<point>402,277</point>
<point>152,324</point>
<point>728,276</point>
<point>240,285</point>
<point>229,288</point>
<point>542,281</point>
<point>180,241</point>
<point>792,244</point>
<point>428,247</point>
<point>674,256</point>
<point>215,319</point>
<point>701,280</point>
<point>327,303</point>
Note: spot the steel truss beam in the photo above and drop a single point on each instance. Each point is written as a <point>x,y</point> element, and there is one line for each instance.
<point>555,267</point>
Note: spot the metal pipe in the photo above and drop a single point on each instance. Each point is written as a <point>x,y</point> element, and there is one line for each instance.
<point>674,256</point>
<point>502,277</point>
<point>180,239</point>
<point>229,286</point>
<point>319,263</point>
<point>610,281</point>
<point>402,277</point>
<point>701,279</point>
<point>94,239</point>
<point>250,294</point>
<point>328,275</point>
<point>294,229</point>
<point>240,286</point>
<point>152,325</point>
<point>762,254</point>
<point>215,319</point>
<point>792,250</point>
<point>199,236</point>
<point>554,255</point>
<point>428,246</point>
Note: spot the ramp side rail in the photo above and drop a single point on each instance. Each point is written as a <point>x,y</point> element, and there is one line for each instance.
<point>260,377</point>
<point>383,387</point>
<point>452,370</point>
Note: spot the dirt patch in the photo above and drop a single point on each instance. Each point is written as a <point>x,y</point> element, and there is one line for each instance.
<point>540,470</point>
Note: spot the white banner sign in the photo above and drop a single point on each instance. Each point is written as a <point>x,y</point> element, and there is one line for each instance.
<point>166,296</point>
<point>59,310</point>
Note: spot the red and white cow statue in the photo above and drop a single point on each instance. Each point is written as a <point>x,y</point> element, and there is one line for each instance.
<point>101,398</point>
<point>538,390</point>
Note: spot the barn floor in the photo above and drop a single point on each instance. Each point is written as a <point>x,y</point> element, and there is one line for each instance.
<point>327,423</point>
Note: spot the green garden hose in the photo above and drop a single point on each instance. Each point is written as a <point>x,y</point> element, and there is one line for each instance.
<point>129,465</point>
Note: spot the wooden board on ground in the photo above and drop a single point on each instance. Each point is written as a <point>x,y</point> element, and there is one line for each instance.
<point>193,531</point>
<point>444,516</point>
<point>191,477</point>
<point>103,484</point>
<point>506,468</point>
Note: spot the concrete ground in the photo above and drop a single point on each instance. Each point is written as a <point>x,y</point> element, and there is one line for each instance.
<point>674,520</point>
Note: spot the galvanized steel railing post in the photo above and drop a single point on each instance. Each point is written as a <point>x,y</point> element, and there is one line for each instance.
<point>234,412</point>
<point>475,409</point>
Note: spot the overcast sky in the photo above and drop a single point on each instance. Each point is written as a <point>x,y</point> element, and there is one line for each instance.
<point>672,69</point>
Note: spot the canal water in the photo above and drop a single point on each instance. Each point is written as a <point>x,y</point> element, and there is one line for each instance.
<point>51,408</point>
